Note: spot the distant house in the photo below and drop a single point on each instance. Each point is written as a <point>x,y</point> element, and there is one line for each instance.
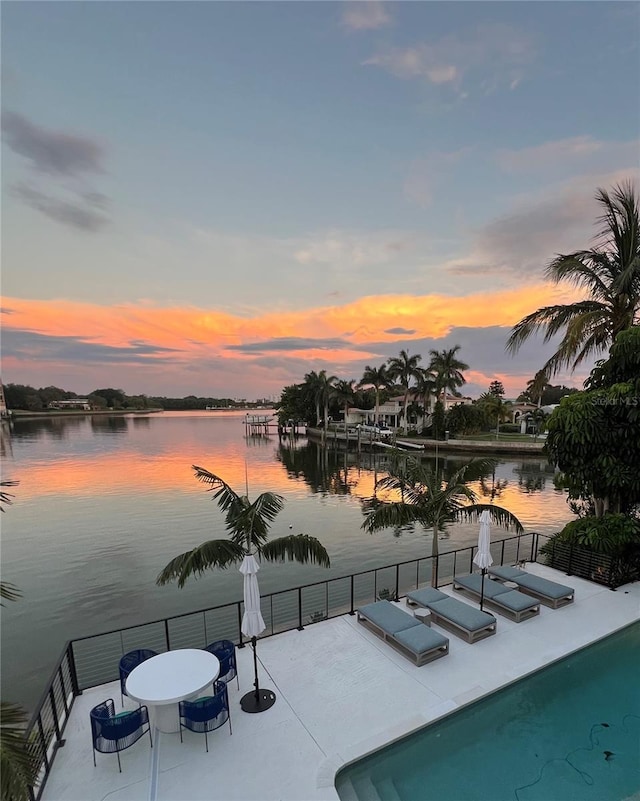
<point>390,413</point>
<point>520,410</point>
<point>74,403</point>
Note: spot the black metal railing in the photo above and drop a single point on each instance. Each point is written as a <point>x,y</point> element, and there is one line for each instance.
<point>93,660</point>
<point>574,560</point>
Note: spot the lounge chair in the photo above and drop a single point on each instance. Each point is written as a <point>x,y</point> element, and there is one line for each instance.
<point>408,635</point>
<point>549,592</point>
<point>511,603</point>
<point>456,616</point>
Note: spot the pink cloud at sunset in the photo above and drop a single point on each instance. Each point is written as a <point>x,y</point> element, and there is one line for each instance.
<point>369,319</point>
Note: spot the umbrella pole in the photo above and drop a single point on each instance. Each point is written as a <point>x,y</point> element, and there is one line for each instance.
<point>257,700</point>
<point>255,669</point>
<point>484,570</point>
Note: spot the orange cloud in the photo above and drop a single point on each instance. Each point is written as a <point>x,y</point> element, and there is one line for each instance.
<point>193,331</point>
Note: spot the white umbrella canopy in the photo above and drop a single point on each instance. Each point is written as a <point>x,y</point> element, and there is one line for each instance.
<point>252,625</point>
<point>483,556</point>
<point>252,620</point>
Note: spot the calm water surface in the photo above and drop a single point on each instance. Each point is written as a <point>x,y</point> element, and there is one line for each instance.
<point>105,502</point>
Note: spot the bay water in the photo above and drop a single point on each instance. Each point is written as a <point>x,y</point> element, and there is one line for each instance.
<point>104,502</point>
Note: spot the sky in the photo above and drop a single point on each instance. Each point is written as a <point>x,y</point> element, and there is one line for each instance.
<point>215,198</point>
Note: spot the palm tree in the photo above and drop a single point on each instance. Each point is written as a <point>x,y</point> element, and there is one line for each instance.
<point>610,272</point>
<point>428,499</point>
<point>495,408</point>
<point>378,378</point>
<point>427,387</point>
<point>448,371</point>
<point>537,386</point>
<point>18,766</point>
<point>248,527</point>
<point>404,368</point>
<point>344,393</point>
<point>312,379</point>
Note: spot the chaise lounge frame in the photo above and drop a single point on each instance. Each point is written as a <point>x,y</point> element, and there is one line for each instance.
<point>440,618</point>
<point>516,576</point>
<point>517,615</point>
<point>418,659</point>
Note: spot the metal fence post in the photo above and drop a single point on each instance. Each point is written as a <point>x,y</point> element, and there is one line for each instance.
<point>397,582</point>
<point>71,658</point>
<point>166,633</point>
<point>352,612</point>
<point>241,643</point>
<point>569,573</point>
<point>437,564</point>
<point>54,712</point>
<point>300,626</point>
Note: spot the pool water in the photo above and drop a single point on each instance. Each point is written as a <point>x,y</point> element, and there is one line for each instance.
<point>570,732</point>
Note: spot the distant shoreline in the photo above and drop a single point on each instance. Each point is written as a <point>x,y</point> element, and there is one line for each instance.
<point>43,414</point>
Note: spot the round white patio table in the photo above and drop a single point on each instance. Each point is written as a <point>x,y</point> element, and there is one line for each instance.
<point>166,679</point>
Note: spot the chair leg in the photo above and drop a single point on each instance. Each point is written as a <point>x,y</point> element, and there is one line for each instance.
<point>119,765</point>
<point>94,757</point>
<point>180,733</point>
<point>206,741</point>
<point>150,737</point>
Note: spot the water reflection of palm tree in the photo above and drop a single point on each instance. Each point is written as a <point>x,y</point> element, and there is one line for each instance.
<point>497,487</point>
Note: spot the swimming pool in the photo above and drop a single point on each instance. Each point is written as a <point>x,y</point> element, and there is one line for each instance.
<point>570,732</point>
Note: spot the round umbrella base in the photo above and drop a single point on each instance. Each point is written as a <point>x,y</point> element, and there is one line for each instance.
<point>266,699</point>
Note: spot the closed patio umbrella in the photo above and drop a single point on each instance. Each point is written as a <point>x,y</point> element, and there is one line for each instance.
<point>252,625</point>
<point>483,556</point>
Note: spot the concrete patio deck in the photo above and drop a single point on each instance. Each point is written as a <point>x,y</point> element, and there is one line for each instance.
<point>341,693</point>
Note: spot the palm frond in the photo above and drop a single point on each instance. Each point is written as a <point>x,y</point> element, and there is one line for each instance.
<point>499,515</point>
<point>18,766</point>
<point>6,497</point>
<point>214,553</point>
<point>225,495</point>
<point>582,269</point>
<point>395,515</point>
<point>9,591</point>
<point>251,522</point>
<point>300,548</point>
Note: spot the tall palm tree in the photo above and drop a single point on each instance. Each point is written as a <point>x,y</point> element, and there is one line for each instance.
<point>313,380</point>
<point>537,386</point>
<point>448,371</point>
<point>378,378</point>
<point>405,369</point>
<point>248,527</point>
<point>426,498</point>
<point>427,388</point>
<point>344,393</point>
<point>609,272</point>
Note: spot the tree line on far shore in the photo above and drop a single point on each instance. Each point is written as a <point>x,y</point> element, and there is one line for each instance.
<point>23,397</point>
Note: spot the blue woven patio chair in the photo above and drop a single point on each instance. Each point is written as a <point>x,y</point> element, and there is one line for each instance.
<point>225,650</point>
<point>207,713</point>
<point>113,733</point>
<point>130,661</point>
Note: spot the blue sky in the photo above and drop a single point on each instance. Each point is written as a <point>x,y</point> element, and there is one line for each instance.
<point>202,196</point>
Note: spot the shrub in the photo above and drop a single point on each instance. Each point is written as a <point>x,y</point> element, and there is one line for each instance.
<point>509,428</point>
<point>611,534</point>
